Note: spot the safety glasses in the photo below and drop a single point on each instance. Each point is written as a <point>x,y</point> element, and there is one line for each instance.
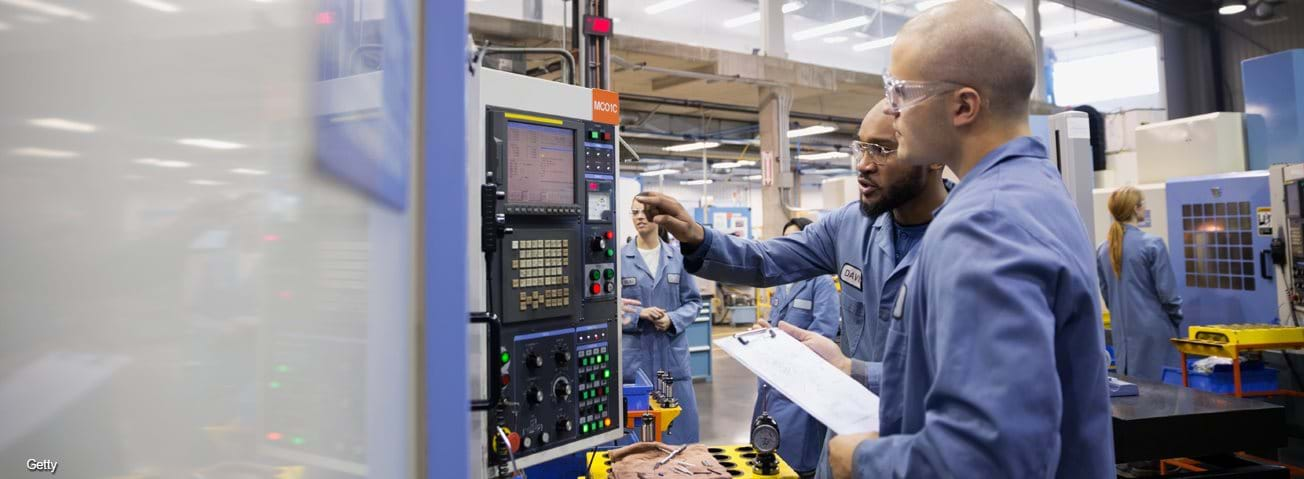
<point>904,94</point>
<point>877,154</point>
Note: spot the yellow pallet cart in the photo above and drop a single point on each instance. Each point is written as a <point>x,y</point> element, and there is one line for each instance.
<point>1229,340</point>
<point>737,460</point>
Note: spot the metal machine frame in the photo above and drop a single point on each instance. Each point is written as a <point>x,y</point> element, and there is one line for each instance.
<point>1288,240</point>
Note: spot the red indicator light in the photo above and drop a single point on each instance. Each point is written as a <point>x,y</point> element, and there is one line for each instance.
<point>273,436</point>
<point>593,186</point>
<point>271,238</point>
<point>325,18</point>
<point>597,25</point>
<point>507,378</point>
<point>606,136</point>
<point>609,235</point>
<point>595,288</point>
<point>284,295</point>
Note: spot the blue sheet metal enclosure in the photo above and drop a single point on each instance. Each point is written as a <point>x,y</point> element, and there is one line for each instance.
<point>1274,108</point>
<point>1220,234</point>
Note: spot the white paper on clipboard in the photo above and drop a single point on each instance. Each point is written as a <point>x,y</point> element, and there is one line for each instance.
<point>841,403</point>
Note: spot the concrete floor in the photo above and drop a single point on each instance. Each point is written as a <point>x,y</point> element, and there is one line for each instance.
<point>725,404</point>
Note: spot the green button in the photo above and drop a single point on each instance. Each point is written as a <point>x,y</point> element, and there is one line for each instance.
<point>610,252</point>
<point>606,357</point>
<point>506,358</point>
<point>584,429</point>
<point>609,273</point>
<point>584,361</point>
<point>608,389</point>
<point>593,376</point>
<point>595,275</point>
<point>593,135</point>
<point>601,407</point>
<point>606,373</point>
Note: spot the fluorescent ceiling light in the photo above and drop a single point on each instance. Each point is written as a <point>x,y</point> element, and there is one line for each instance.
<point>664,5</point>
<point>43,153</point>
<point>746,162</point>
<point>206,182</point>
<point>870,45</point>
<point>162,163</point>
<point>828,155</point>
<point>696,182</point>
<point>848,24</point>
<point>837,39</point>
<point>700,145</point>
<point>1089,25</point>
<point>1231,7</point>
<point>811,130</point>
<point>927,4</point>
<point>752,177</point>
<point>756,16</point>
<point>207,143</point>
<point>724,165</point>
<point>248,171</point>
<point>61,124</point>
<point>827,171</point>
<point>48,9</point>
<point>157,5</point>
<point>661,172</point>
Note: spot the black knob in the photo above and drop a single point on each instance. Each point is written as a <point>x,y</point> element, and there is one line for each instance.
<point>534,395</point>
<point>563,357</point>
<point>534,361</point>
<point>598,244</point>
<point>564,426</point>
<point>611,287</point>
<point>562,389</point>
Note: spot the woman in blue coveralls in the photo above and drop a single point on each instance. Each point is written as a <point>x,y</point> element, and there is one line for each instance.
<point>812,305</point>
<point>1140,290</point>
<point>652,272</point>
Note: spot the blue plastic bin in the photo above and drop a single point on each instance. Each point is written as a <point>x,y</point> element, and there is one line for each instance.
<point>1255,377</point>
<point>636,394</point>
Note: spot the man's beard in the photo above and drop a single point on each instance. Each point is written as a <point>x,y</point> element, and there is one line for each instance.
<point>896,194</point>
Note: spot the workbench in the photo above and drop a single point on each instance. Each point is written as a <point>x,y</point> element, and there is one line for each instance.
<point>1164,422</point>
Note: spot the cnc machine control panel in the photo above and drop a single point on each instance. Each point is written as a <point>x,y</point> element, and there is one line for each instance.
<point>552,282</point>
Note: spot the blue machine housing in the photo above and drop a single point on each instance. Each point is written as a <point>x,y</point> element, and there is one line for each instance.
<point>1220,232</point>
<point>1274,108</point>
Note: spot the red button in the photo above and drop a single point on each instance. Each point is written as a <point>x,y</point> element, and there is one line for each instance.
<point>514,441</point>
<point>609,235</point>
<point>606,136</point>
<point>507,378</point>
<point>595,288</point>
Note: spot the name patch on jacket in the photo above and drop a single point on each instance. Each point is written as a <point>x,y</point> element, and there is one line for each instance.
<point>802,304</point>
<point>850,275</point>
<point>672,278</point>
<point>628,281</point>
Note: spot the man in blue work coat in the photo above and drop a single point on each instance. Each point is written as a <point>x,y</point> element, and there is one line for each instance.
<point>993,365</point>
<point>866,248</point>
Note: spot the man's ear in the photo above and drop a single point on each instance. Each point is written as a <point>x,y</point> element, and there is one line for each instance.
<point>967,106</point>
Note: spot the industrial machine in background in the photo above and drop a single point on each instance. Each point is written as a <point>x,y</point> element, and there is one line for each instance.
<point>1071,151</point>
<point>1287,217</point>
<point>546,375</point>
<point>1221,235</point>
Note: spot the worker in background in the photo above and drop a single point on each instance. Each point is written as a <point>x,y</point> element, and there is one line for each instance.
<point>867,243</point>
<point>811,304</point>
<point>654,340</point>
<point>994,364</point>
<point>1140,290</point>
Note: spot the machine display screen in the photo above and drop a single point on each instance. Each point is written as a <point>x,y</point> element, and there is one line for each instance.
<point>540,164</point>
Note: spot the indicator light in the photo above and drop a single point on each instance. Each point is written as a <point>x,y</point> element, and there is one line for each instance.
<point>274,385</point>
<point>298,441</point>
<point>609,235</point>
<point>282,368</point>
<point>273,436</point>
<point>506,358</point>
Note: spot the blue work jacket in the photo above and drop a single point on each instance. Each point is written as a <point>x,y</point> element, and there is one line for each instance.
<point>994,365</point>
<point>811,305</point>
<point>1144,307</point>
<point>643,347</point>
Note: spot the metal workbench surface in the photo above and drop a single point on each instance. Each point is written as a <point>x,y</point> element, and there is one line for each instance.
<point>1166,421</point>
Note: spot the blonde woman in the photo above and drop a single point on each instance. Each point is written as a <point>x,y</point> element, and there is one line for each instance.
<point>1140,290</point>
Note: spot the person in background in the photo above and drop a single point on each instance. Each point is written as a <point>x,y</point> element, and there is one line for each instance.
<point>1140,290</point>
<point>810,304</point>
<point>652,274</point>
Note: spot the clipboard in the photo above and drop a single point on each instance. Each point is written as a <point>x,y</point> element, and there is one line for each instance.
<point>843,404</point>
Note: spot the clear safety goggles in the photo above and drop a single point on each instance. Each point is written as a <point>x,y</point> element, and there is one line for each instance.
<point>904,94</point>
<point>877,154</point>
